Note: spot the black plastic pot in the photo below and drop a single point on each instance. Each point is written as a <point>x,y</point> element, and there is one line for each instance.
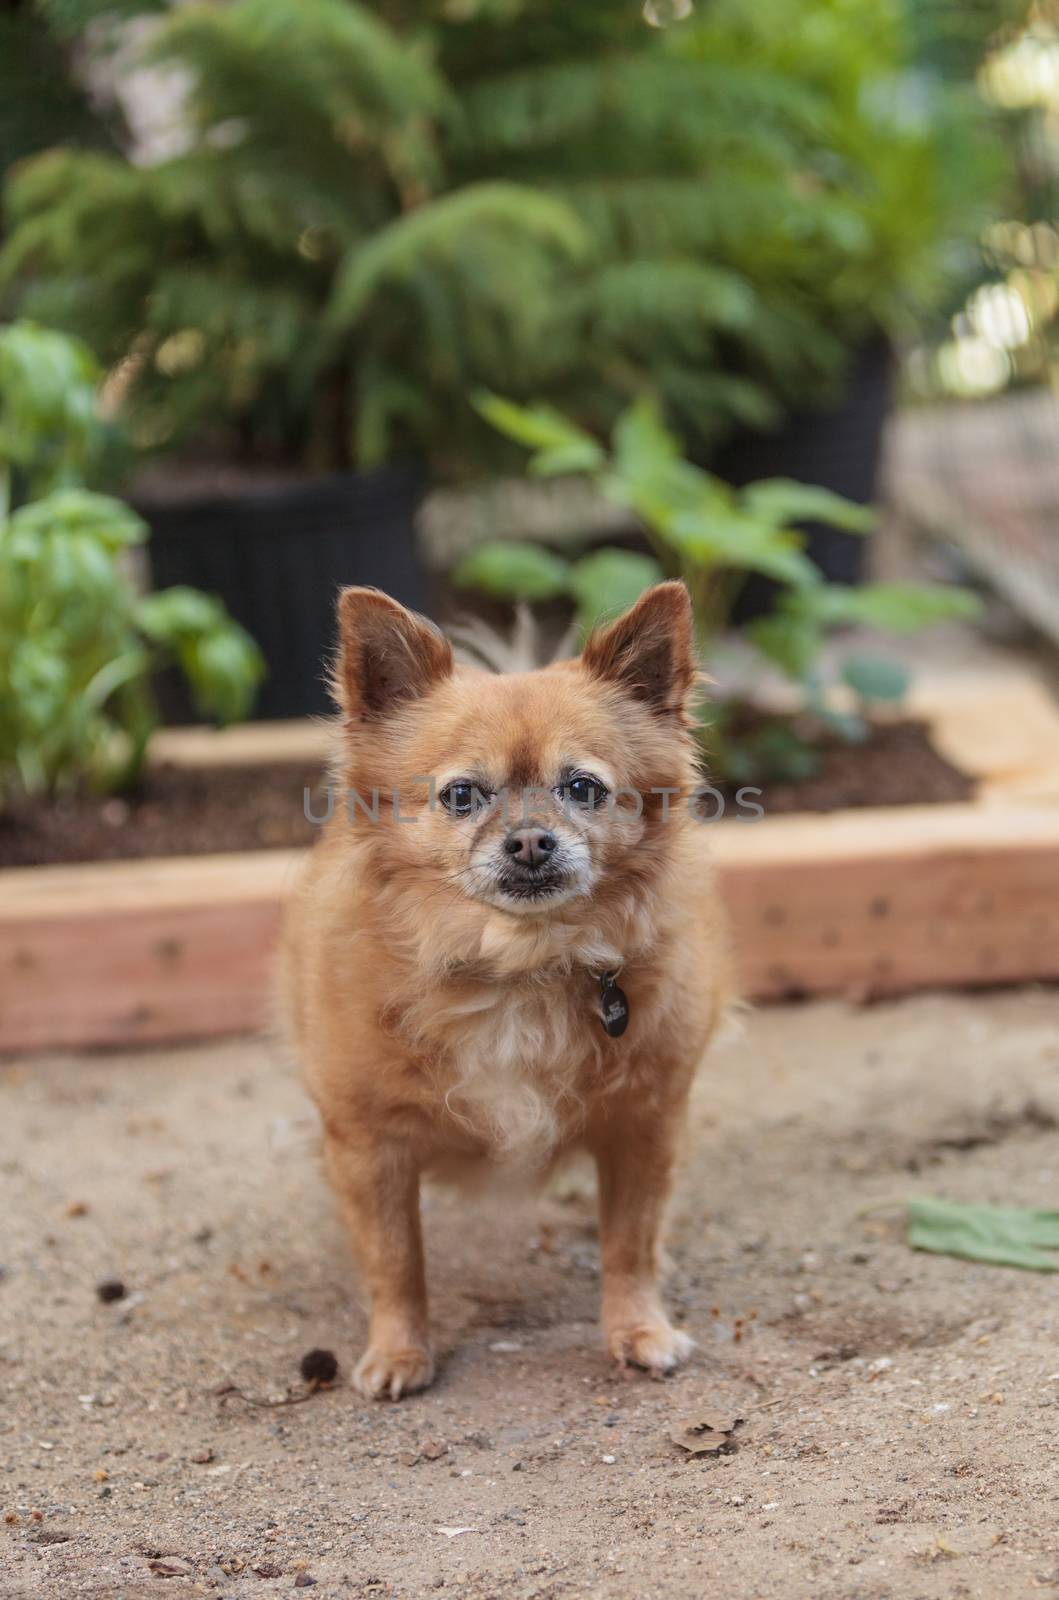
<point>838,448</point>
<point>276,556</point>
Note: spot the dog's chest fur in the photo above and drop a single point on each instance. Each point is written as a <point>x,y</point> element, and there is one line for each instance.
<point>514,1058</point>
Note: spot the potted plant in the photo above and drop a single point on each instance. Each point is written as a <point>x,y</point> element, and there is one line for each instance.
<point>906,155</point>
<point>374,210</point>
<point>716,538</point>
<point>79,644</point>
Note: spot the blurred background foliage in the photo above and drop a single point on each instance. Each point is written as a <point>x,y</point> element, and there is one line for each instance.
<point>80,645</point>
<point>325,223</point>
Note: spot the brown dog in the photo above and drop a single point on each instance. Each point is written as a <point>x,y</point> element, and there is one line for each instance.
<point>502,848</point>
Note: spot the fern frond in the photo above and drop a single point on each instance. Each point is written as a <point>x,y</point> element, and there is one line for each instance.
<point>649,103</point>
<point>447,236</point>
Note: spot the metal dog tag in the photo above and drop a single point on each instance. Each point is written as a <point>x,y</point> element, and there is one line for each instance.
<point>613,1006</point>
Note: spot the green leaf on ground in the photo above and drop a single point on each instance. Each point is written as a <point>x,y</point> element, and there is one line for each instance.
<point>1004,1236</point>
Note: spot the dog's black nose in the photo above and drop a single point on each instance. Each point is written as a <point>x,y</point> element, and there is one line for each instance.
<point>530,846</point>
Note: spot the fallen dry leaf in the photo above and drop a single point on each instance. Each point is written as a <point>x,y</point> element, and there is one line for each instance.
<point>706,1435</point>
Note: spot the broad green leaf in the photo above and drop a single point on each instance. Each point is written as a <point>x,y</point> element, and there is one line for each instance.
<point>81,511</point>
<point>541,428</point>
<point>661,491</point>
<point>711,540</point>
<point>48,421</point>
<point>510,569</point>
<point>897,607</point>
<point>580,455</point>
<point>876,678</point>
<point>784,500</point>
<point>1005,1236</point>
<point>224,667</point>
<point>641,441</point>
<point>170,615</point>
<point>608,582</point>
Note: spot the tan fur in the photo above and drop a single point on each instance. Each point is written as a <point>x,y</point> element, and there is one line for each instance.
<point>444,1029</point>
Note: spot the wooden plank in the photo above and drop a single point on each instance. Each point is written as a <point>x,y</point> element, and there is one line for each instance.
<point>884,903</point>
<point>301,739</point>
<point>158,884</point>
<point>136,977</point>
<point>859,902</point>
<point>128,952</point>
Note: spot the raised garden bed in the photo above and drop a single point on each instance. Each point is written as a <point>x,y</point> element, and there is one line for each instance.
<point>179,808</point>
<point>868,901</point>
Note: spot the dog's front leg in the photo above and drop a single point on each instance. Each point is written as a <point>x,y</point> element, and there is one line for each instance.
<point>634,1156</point>
<point>378,1188</point>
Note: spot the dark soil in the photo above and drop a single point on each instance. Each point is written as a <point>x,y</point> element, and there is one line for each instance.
<point>174,811</point>
<point>898,766</point>
<point>204,811</point>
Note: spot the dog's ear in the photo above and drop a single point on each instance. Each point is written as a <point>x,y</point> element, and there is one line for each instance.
<point>386,655</point>
<point>649,652</point>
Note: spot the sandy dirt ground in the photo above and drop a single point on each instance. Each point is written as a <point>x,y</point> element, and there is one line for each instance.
<point>900,1409</point>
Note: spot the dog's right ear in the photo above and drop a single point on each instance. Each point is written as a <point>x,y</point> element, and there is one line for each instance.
<point>386,655</point>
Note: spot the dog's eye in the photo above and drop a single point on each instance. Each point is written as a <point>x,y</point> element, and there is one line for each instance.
<point>584,791</point>
<point>462,799</point>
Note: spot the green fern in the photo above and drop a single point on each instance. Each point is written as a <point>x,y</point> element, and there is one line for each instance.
<point>382,208</point>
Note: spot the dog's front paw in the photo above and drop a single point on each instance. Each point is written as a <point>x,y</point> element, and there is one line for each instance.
<point>386,1372</point>
<point>652,1343</point>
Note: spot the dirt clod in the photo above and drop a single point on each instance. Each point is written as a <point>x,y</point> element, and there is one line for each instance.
<point>319,1366</point>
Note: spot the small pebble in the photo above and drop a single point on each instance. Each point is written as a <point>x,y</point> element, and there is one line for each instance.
<point>608,1461</point>
<point>110,1289</point>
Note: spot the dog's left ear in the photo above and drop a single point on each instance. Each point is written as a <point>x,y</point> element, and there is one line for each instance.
<point>649,652</point>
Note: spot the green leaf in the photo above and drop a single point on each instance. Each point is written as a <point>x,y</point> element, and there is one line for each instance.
<point>580,455</point>
<point>48,422</point>
<point>876,678</point>
<point>783,500</point>
<point>791,641</point>
<point>897,607</point>
<point>1004,1236</point>
<point>169,616</point>
<point>511,569</point>
<point>641,441</point>
<point>223,667</point>
<point>709,538</point>
<point>560,446</point>
<point>608,582</point>
<point>68,512</point>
